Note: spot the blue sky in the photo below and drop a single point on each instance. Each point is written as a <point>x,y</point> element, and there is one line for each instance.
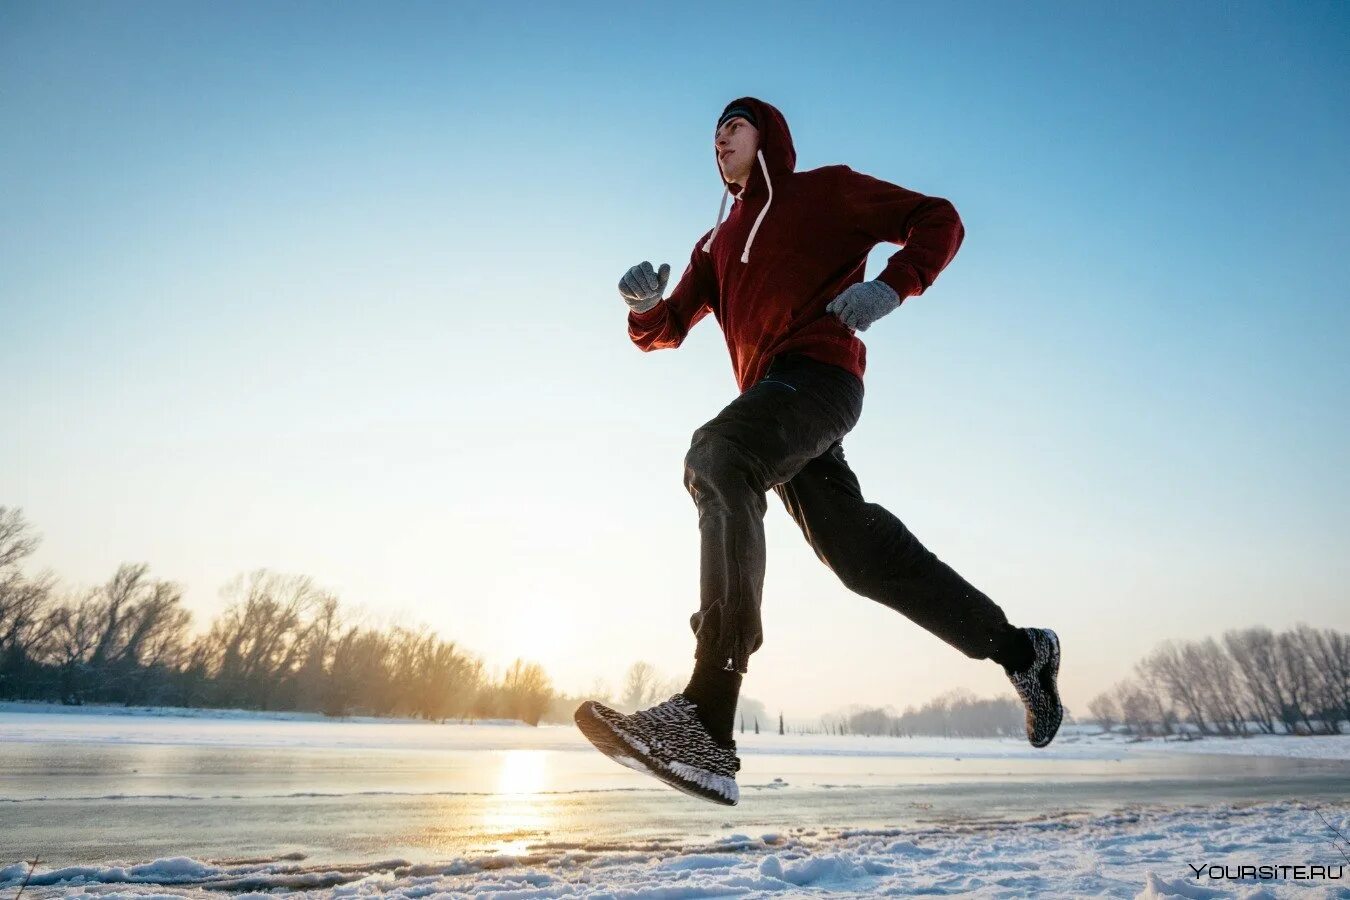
<point>331,289</point>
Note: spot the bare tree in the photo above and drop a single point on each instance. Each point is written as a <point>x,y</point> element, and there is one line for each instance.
<point>156,628</point>
<point>24,622</point>
<point>1248,685</point>
<point>1330,653</point>
<point>1253,653</point>
<point>260,640</point>
<point>17,540</point>
<point>1161,711</point>
<point>1169,668</point>
<point>528,691</point>
<point>119,641</point>
<point>404,690</point>
<point>1105,710</point>
<point>1301,679</point>
<point>600,690</point>
<point>1216,676</point>
<point>360,673</point>
<point>117,598</point>
<point>639,686</point>
<point>74,635</point>
<point>452,681</point>
<point>874,721</point>
<point>25,626</point>
<point>1135,708</point>
<point>317,654</point>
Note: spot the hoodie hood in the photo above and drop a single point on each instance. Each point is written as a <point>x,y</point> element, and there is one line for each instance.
<point>775,142</point>
<point>776,157</point>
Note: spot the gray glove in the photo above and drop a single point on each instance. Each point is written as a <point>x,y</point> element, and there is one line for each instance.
<point>859,305</point>
<point>641,288</point>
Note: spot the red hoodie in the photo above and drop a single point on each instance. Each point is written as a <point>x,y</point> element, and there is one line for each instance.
<point>769,293</point>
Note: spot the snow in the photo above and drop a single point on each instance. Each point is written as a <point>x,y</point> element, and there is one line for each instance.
<point>1333,746</point>
<point>52,723</point>
<point>1131,851</point>
<point>1144,852</point>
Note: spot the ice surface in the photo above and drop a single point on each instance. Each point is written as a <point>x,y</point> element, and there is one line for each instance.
<point>50,723</point>
<point>1141,852</point>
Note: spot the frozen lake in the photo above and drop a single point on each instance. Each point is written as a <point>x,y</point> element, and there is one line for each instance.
<point>89,789</point>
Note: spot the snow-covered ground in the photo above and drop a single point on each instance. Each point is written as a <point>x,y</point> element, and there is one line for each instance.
<point>53,723</point>
<point>1333,746</point>
<point>1148,852</point>
<point>505,811</point>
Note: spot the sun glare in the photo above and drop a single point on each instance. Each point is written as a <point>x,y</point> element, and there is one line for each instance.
<point>543,636</point>
<point>515,813</point>
<point>522,771</point>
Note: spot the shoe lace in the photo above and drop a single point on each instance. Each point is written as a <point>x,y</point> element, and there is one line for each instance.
<point>668,712</point>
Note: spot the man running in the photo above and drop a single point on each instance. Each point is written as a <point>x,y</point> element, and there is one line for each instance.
<point>783,276</point>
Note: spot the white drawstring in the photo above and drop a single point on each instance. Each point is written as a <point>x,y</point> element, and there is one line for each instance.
<point>745,256</point>
<point>707,245</point>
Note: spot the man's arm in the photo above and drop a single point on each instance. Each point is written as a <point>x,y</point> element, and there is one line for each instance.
<point>928,227</point>
<point>667,323</point>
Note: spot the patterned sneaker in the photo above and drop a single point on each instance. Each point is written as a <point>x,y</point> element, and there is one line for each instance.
<point>667,742</point>
<point>1038,688</point>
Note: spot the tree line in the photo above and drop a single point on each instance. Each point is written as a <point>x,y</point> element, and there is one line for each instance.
<point>644,685</point>
<point>1252,680</point>
<point>957,713</point>
<point>282,643</point>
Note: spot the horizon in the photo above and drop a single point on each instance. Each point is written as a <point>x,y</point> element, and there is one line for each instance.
<point>332,292</point>
<point>658,682</point>
<point>199,626</point>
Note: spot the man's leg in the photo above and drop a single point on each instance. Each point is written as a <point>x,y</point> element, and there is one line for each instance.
<point>760,440</point>
<point>875,555</point>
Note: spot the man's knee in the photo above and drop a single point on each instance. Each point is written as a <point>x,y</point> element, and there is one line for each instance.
<point>716,461</point>
<point>872,552</point>
<point>855,571</point>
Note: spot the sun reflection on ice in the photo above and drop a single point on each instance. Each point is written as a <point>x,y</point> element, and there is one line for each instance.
<point>522,771</point>
<point>515,812</point>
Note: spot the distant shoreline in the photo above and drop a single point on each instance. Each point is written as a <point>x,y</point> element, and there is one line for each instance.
<point>173,725</point>
<point>203,712</point>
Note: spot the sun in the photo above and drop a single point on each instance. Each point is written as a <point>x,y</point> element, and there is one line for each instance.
<point>545,633</point>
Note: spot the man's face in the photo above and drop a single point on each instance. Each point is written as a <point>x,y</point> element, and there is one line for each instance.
<point>736,142</point>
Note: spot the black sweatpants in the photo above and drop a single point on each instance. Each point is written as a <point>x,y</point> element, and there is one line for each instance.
<point>785,433</point>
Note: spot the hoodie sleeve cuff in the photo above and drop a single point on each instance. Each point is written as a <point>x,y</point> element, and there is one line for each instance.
<point>901,279</point>
<point>650,317</point>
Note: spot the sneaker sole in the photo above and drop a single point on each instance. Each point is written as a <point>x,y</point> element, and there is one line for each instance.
<point>617,747</point>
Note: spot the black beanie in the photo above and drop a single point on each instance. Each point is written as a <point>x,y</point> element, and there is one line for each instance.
<point>737,112</point>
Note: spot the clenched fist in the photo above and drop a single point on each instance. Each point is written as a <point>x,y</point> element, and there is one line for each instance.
<point>859,305</point>
<point>641,287</point>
